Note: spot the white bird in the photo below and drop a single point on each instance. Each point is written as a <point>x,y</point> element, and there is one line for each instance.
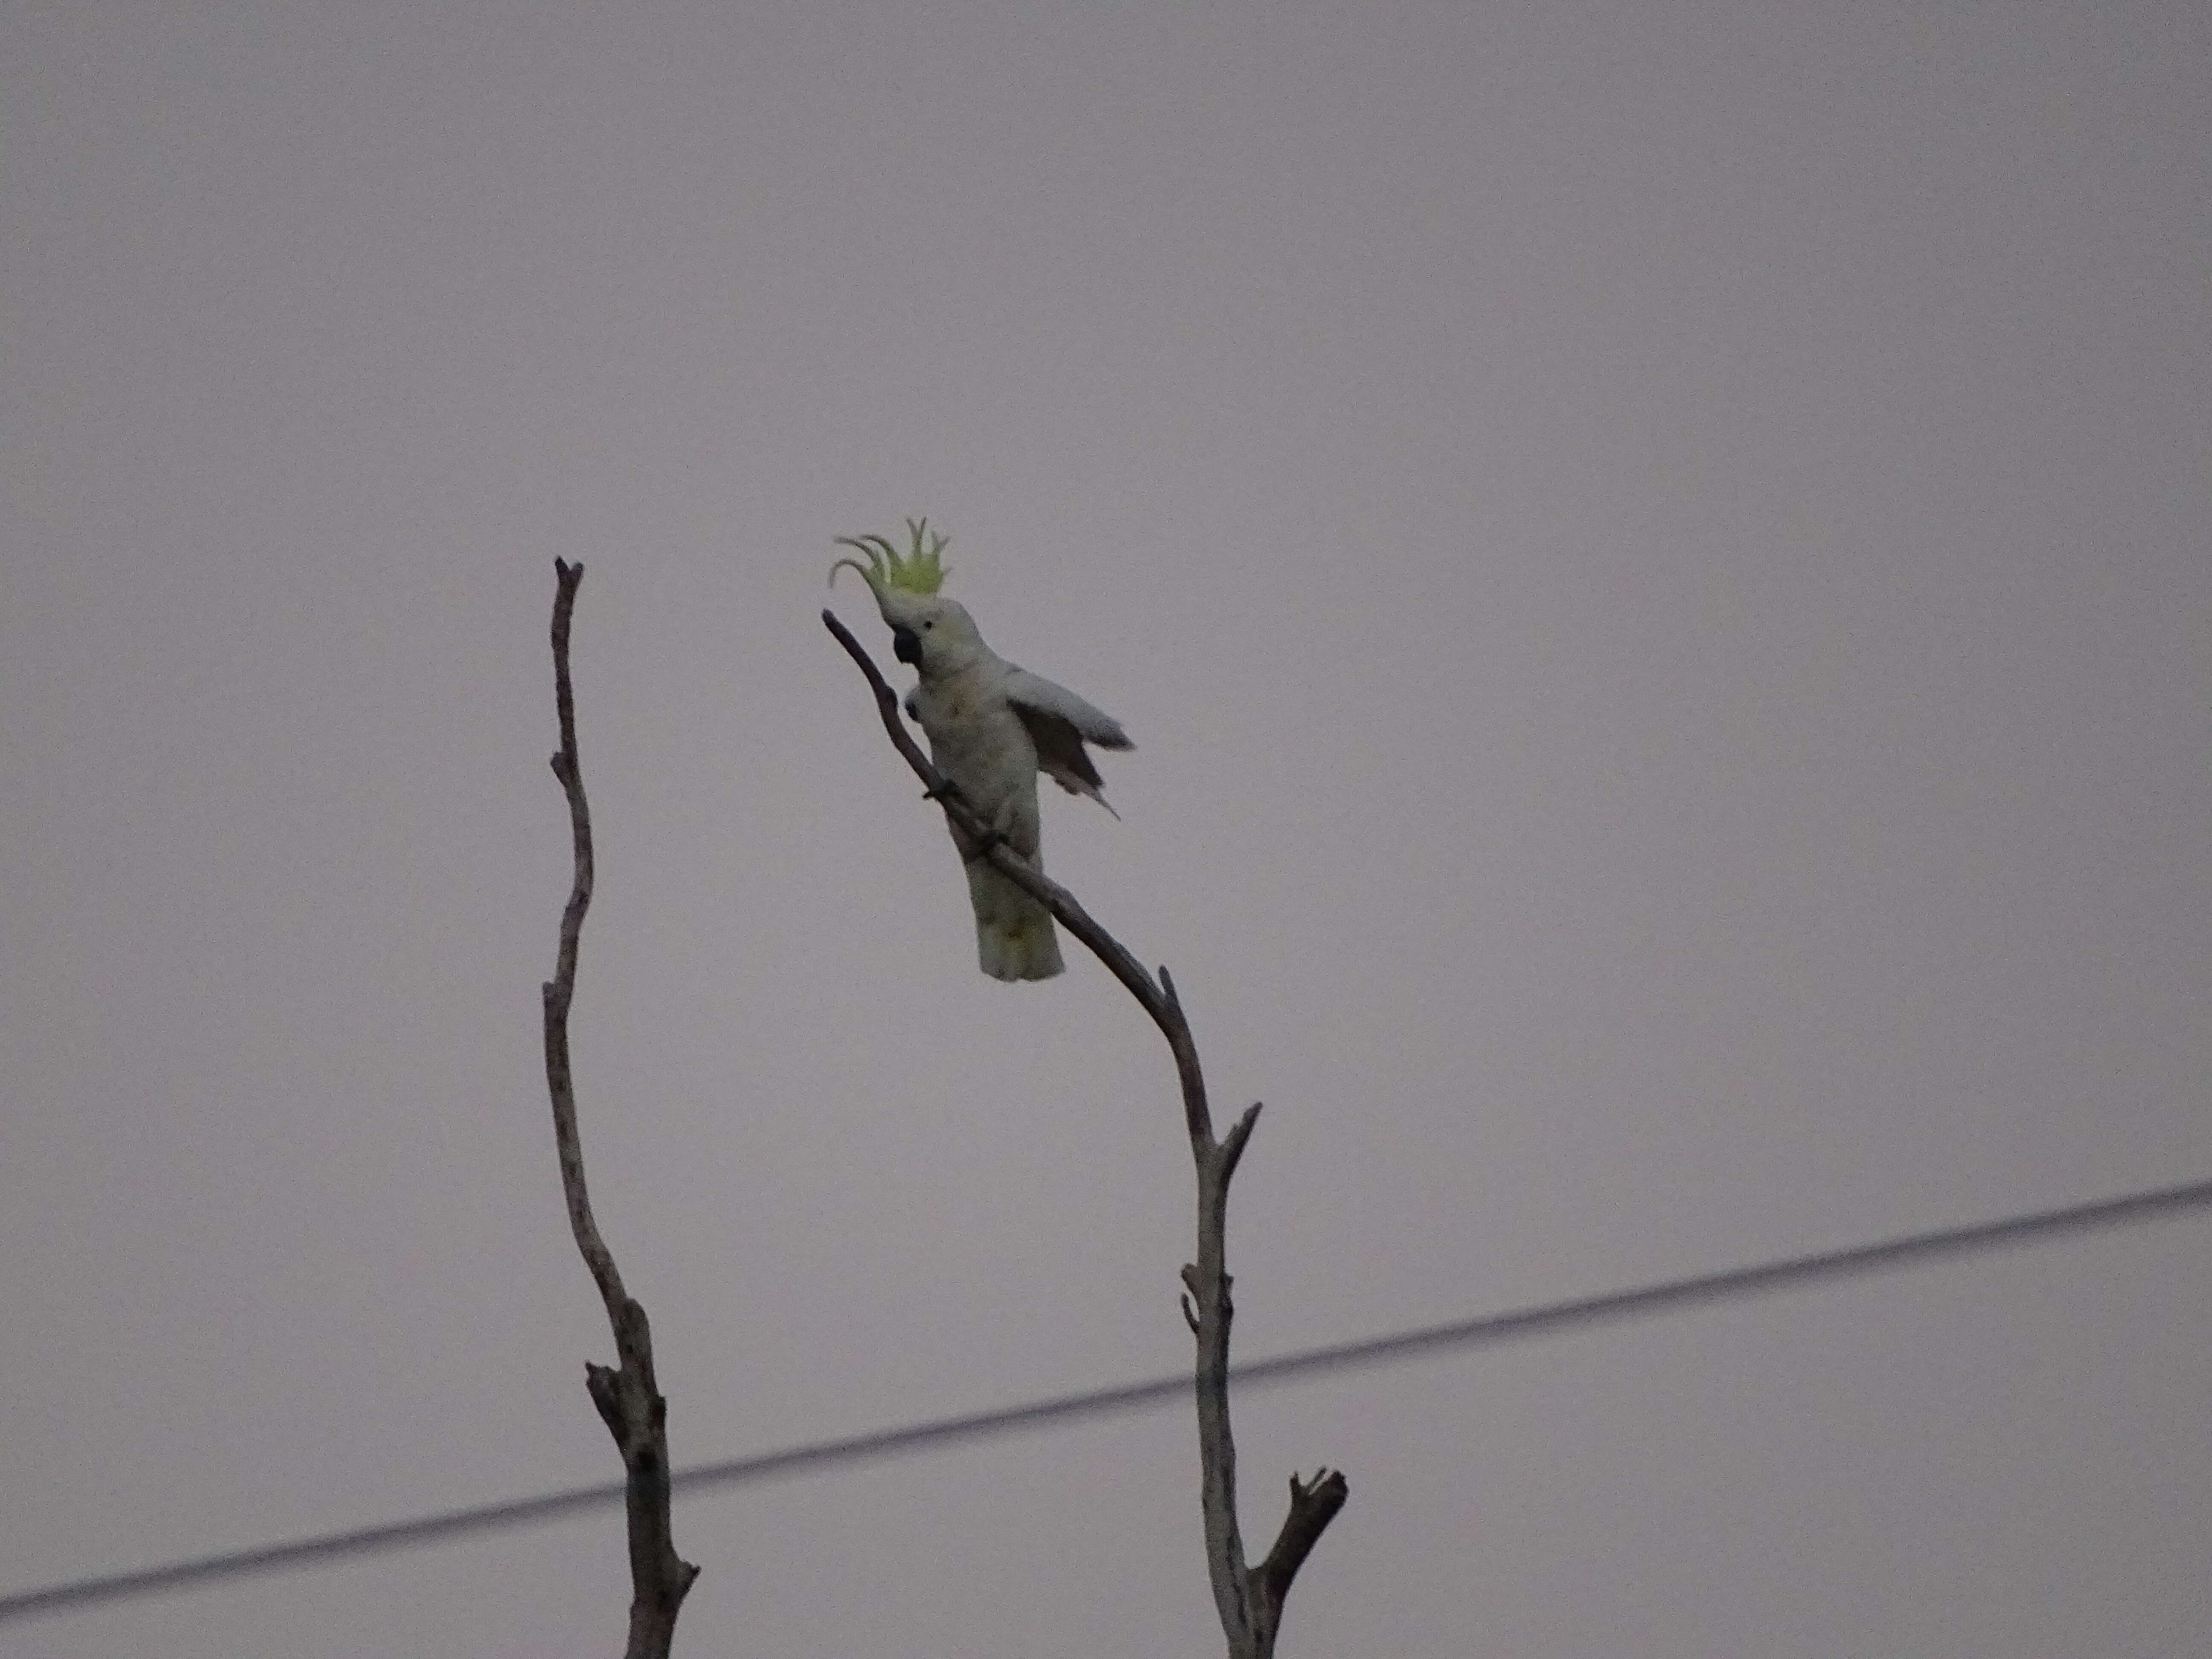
<point>992,728</point>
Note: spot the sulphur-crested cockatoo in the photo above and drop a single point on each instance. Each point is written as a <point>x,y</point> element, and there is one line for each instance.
<point>992,728</point>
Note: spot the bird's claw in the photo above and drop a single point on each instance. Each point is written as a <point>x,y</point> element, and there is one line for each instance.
<point>978,848</point>
<point>972,847</point>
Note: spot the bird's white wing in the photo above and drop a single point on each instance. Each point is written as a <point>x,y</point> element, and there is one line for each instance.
<point>1035,695</point>
<point>1060,723</point>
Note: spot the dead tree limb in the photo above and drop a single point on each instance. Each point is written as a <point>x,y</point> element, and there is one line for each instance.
<point>628,1398</point>
<point>1248,1599</point>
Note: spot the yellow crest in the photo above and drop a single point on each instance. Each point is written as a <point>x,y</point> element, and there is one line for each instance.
<point>920,570</point>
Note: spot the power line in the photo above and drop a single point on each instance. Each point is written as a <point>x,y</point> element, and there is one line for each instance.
<point>1669,1297</point>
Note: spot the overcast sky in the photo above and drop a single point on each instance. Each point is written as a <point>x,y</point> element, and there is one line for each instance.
<point>1655,557</point>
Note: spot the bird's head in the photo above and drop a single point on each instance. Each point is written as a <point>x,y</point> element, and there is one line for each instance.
<point>935,634</point>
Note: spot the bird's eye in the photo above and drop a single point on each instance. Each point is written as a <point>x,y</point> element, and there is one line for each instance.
<point>929,625</point>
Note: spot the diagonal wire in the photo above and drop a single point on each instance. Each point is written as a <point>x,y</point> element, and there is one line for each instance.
<point>1669,1297</point>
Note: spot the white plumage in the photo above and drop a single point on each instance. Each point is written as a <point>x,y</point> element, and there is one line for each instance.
<point>992,728</point>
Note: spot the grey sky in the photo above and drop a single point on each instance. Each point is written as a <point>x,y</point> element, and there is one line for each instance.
<point>1654,557</point>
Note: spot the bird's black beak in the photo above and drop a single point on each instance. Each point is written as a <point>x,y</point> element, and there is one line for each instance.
<point>906,646</point>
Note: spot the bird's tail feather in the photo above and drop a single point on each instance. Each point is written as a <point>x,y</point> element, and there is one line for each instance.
<point>1015,938</point>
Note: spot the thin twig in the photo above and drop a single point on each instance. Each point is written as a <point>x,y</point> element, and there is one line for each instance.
<point>627,1397</point>
<point>1249,1600</point>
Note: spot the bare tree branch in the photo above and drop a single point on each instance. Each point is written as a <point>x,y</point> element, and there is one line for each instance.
<point>1248,1600</point>
<point>628,1398</point>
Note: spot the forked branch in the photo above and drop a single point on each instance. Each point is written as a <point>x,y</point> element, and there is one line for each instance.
<point>627,1397</point>
<point>1249,1600</point>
